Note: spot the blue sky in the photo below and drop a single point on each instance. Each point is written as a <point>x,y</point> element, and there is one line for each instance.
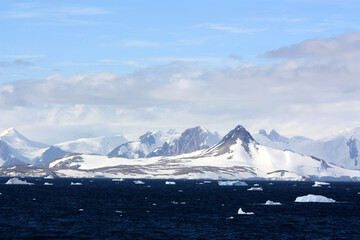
<point>165,40</point>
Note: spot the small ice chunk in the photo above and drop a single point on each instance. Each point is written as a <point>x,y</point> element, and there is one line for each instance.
<point>241,212</point>
<point>16,181</point>
<point>81,210</point>
<point>47,183</point>
<point>269,202</point>
<point>207,182</point>
<point>319,184</point>
<point>138,182</point>
<point>183,203</point>
<point>170,183</point>
<point>34,199</point>
<point>118,211</point>
<point>174,202</point>
<point>256,185</point>
<point>49,177</point>
<point>117,179</point>
<point>154,204</point>
<point>232,183</point>
<point>230,218</point>
<point>76,184</point>
<point>255,189</point>
<point>314,198</point>
<point>180,190</point>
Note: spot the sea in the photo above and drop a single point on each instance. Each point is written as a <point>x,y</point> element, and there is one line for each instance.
<point>189,209</point>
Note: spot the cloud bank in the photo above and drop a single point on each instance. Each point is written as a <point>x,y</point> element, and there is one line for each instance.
<point>313,91</point>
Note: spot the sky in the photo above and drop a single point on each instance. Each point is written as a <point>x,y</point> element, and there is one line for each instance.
<point>71,69</point>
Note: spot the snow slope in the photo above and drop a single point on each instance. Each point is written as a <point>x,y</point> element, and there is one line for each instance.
<point>342,149</point>
<point>98,145</point>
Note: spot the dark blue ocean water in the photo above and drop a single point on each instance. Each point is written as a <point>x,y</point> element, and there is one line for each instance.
<point>187,210</point>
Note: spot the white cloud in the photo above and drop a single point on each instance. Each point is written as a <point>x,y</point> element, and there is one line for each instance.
<point>313,97</point>
<point>132,43</point>
<point>347,45</point>
<point>133,63</point>
<point>232,28</point>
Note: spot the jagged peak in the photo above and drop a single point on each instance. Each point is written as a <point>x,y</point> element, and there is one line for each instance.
<point>9,131</point>
<point>239,132</point>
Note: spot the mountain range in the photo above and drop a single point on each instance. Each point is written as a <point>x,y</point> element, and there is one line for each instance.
<point>195,153</point>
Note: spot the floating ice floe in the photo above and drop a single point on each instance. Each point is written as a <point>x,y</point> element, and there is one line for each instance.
<point>255,189</point>
<point>319,184</point>
<point>232,183</point>
<point>16,181</point>
<point>49,177</point>
<point>269,202</point>
<point>170,183</point>
<point>117,179</point>
<point>48,184</point>
<point>76,184</point>
<point>256,185</point>
<point>241,212</point>
<point>138,182</point>
<point>314,198</point>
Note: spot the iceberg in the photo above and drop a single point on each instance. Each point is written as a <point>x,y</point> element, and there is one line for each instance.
<point>256,185</point>
<point>255,189</point>
<point>138,182</point>
<point>16,181</point>
<point>47,183</point>
<point>319,184</point>
<point>314,198</point>
<point>76,184</point>
<point>232,183</point>
<point>170,183</point>
<point>269,202</point>
<point>117,179</point>
<point>241,212</point>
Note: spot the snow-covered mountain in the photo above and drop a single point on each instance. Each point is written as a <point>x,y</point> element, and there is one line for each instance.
<point>144,145</point>
<point>97,145</point>
<point>191,140</point>
<point>236,156</point>
<point>342,149</point>
<point>15,149</point>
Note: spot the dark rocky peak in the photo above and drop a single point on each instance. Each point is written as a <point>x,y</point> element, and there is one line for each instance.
<point>238,133</point>
<point>148,138</point>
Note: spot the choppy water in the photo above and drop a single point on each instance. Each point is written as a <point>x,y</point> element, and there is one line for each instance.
<point>102,209</point>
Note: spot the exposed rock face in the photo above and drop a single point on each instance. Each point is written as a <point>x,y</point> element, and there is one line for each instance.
<point>50,154</point>
<point>353,151</point>
<point>7,156</point>
<point>192,139</point>
<point>141,148</point>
